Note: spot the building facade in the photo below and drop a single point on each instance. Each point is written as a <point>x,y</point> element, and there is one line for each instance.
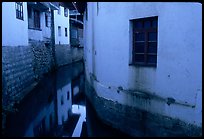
<point>61,23</point>
<point>14,23</point>
<point>143,65</point>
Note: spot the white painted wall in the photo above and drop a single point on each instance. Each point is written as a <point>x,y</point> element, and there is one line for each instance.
<point>107,52</point>
<point>14,31</point>
<point>61,20</point>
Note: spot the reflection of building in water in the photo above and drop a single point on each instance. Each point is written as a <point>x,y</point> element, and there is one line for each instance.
<point>43,123</point>
<point>79,109</point>
<point>77,86</point>
<point>64,103</point>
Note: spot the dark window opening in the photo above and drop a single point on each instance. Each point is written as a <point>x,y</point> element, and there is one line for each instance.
<point>59,11</point>
<point>68,95</point>
<point>62,100</point>
<point>36,19</point>
<point>65,32</point>
<point>19,10</point>
<point>59,30</point>
<point>29,12</point>
<point>65,12</point>
<point>46,20</point>
<point>145,41</point>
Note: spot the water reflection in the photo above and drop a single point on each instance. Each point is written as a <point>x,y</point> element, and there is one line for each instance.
<point>48,109</point>
<point>57,108</point>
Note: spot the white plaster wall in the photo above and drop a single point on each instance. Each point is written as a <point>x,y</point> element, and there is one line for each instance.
<point>178,72</point>
<point>61,20</point>
<point>35,34</point>
<point>14,31</point>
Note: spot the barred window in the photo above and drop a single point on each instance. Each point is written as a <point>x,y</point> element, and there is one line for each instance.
<point>145,41</point>
<point>19,10</point>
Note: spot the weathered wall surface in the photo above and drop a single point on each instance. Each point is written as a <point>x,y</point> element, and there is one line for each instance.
<point>135,121</point>
<point>43,61</point>
<point>24,66</point>
<point>63,54</point>
<point>17,72</point>
<point>178,73</point>
<point>66,54</point>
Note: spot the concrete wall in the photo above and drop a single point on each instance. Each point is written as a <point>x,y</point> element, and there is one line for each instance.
<point>107,54</point>
<point>14,31</point>
<point>61,20</point>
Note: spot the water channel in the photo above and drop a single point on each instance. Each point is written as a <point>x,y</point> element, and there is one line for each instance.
<point>58,107</point>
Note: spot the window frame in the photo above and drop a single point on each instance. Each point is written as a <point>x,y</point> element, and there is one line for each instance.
<point>36,19</point>
<point>145,31</point>
<point>19,10</point>
<point>65,12</point>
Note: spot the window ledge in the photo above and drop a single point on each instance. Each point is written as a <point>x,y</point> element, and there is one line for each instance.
<point>35,29</point>
<point>142,65</point>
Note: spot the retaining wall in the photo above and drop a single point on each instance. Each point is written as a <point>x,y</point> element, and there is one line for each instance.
<point>137,122</point>
<point>66,54</point>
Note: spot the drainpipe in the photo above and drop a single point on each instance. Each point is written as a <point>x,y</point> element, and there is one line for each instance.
<point>53,37</point>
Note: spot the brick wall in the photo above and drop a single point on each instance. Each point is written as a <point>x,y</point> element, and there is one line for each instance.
<point>17,71</point>
<point>136,122</point>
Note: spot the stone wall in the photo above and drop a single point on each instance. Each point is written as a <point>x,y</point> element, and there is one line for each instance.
<point>24,66</point>
<point>63,55</point>
<point>17,72</point>
<point>66,54</point>
<point>137,122</point>
<point>43,61</point>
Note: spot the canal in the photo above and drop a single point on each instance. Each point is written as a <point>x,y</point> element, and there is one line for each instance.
<point>58,107</point>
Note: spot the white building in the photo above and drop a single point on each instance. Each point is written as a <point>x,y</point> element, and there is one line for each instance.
<point>14,24</point>
<point>166,62</point>
<point>27,21</point>
<point>61,23</point>
<point>40,21</point>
